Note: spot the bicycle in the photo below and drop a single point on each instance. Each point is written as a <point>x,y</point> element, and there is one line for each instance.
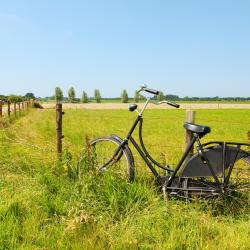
<point>217,168</point>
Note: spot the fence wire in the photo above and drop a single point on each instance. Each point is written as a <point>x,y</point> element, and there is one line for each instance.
<point>155,133</point>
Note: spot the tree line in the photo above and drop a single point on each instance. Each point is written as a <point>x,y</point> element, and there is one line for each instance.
<point>59,97</point>
<point>71,97</point>
<point>17,98</point>
<point>124,98</point>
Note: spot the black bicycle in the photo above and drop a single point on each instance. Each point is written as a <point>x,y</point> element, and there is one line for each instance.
<point>216,168</point>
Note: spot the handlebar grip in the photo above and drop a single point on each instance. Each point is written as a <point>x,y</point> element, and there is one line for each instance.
<point>151,91</point>
<point>174,104</point>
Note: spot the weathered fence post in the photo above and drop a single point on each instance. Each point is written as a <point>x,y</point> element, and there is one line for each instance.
<point>19,109</point>
<point>15,109</point>
<point>22,106</point>
<point>1,108</point>
<point>190,117</point>
<point>8,108</point>
<point>59,135</point>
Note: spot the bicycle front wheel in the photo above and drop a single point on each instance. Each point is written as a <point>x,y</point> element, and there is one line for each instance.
<point>103,152</point>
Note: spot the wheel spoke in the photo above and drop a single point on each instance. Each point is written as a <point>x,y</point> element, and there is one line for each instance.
<point>107,159</point>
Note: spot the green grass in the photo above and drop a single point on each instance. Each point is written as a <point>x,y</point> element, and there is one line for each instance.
<point>44,206</point>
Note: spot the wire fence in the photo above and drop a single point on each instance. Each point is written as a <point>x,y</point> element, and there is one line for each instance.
<point>14,109</point>
<point>163,151</point>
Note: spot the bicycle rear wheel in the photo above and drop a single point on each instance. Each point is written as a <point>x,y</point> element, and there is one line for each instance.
<point>120,165</point>
<point>239,180</point>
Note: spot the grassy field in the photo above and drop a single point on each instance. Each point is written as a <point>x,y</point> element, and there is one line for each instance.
<point>44,206</point>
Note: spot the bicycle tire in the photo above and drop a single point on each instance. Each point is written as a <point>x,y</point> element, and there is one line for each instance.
<point>239,180</point>
<point>238,183</point>
<point>103,149</point>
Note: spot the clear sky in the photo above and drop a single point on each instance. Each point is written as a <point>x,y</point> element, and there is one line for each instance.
<point>188,48</point>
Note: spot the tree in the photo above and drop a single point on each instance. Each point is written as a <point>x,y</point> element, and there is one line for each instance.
<point>97,95</point>
<point>172,97</point>
<point>13,98</point>
<point>124,96</point>
<point>71,94</point>
<point>19,98</point>
<point>136,97</point>
<point>30,96</point>
<point>58,95</point>
<point>160,96</point>
<point>84,98</point>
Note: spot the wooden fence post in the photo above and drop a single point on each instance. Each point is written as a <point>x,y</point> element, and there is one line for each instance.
<point>59,135</point>
<point>22,105</point>
<point>1,108</point>
<point>19,109</point>
<point>8,108</point>
<point>190,117</point>
<point>15,109</point>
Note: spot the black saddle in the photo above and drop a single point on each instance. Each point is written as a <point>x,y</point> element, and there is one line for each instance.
<point>198,129</point>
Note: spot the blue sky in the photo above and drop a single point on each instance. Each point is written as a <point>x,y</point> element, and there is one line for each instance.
<point>188,48</point>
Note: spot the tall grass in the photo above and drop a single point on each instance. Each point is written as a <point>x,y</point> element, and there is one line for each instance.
<point>44,206</point>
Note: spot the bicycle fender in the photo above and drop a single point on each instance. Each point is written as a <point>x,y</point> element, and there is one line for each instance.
<point>195,167</point>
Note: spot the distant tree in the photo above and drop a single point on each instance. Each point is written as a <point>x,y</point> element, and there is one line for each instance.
<point>71,94</point>
<point>30,96</point>
<point>58,95</point>
<point>13,98</point>
<point>84,98</point>
<point>19,98</point>
<point>136,97</point>
<point>124,96</point>
<point>97,96</point>
<point>160,96</point>
<point>172,97</point>
<point>3,98</point>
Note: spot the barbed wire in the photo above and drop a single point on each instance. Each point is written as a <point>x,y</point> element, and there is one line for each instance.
<point>223,121</point>
<point>165,119</point>
<point>122,117</point>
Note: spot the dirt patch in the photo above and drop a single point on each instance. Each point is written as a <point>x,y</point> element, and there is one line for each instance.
<point>150,106</point>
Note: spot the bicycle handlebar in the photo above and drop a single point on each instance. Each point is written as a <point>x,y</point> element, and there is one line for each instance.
<point>173,104</point>
<point>146,89</point>
<point>151,91</point>
<point>176,105</point>
<point>156,92</point>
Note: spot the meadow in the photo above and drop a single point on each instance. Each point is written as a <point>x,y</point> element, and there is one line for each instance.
<point>43,205</point>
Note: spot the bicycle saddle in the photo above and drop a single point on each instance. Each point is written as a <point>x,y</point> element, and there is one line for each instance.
<point>198,129</point>
<point>132,107</point>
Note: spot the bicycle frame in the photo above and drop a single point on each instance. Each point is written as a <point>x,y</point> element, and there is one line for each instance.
<point>141,149</point>
<point>216,162</point>
<point>178,183</point>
